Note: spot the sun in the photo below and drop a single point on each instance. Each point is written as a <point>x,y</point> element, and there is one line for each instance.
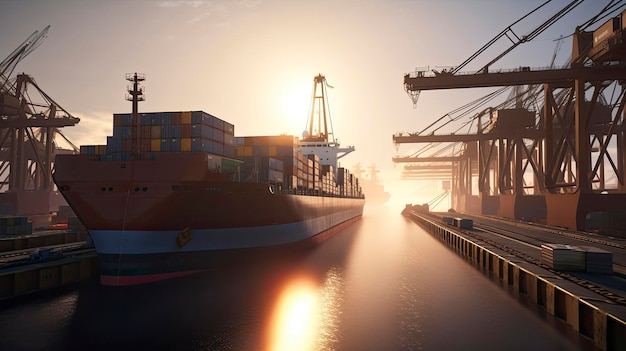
<point>295,102</point>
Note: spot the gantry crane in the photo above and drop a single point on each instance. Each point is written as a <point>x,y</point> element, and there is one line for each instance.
<point>578,126</point>
<point>29,122</point>
<point>507,141</point>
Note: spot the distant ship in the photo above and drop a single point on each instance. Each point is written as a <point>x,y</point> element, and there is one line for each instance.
<point>376,194</point>
<point>173,193</point>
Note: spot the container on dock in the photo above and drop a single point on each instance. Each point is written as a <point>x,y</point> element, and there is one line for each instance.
<point>74,224</point>
<point>464,223</point>
<point>15,225</point>
<point>563,257</point>
<point>597,260</point>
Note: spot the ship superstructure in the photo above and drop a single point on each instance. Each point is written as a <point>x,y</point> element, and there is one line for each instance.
<point>375,190</point>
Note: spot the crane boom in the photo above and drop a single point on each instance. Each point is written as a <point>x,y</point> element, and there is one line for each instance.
<point>563,77</point>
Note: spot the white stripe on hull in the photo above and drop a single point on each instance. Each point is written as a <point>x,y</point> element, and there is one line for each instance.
<point>149,242</point>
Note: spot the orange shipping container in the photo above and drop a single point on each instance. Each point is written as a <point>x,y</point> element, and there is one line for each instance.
<point>185,130</point>
<point>186,117</point>
<point>242,151</point>
<point>185,144</point>
<point>155,132</point>
<point>146,132</point>
<point>175,118</point>
<point>239,151</point>
<point>155,144</point>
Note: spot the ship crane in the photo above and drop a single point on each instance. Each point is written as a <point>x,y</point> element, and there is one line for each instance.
<point>319,132</point>
<point>29,123</point>
<point>576,121</point>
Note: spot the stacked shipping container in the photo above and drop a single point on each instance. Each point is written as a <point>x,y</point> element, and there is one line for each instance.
<point>266,159</point>
<point>15,226</point>
<point>188,131</point>
<point>302,173</point>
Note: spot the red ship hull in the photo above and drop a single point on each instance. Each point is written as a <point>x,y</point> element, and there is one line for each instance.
<point>157,219</point>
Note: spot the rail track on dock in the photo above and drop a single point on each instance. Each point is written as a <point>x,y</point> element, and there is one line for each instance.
<point>536,243</point>
<point>570,234</point>
<point>43,254</point>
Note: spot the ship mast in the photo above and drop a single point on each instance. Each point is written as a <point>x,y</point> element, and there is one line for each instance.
<point>373,172</point>
<point>135,95</point>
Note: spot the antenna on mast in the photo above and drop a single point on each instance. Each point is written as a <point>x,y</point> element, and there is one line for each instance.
<point>135,94</point>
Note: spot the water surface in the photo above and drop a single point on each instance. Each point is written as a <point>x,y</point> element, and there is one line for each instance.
<point>381,284</point>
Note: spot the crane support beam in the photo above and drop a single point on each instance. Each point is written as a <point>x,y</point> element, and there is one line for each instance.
<point>428,159</point>
<point>555,77</point>
<point>453,138</point>
<point>38,122</point>
<point>458,138</point>
<point>426,177</point>
<point>443,167</point>
<point>427,174</point>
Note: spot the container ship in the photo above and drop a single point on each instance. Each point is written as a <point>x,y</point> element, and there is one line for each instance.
<point>375,190</point>
<point>175,193</point>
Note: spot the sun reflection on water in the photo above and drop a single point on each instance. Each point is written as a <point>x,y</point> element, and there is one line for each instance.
<point>306,316</point>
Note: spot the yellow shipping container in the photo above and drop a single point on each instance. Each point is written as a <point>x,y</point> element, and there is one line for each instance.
<point>186,118</point>
<point>272,151</point>
<point>155,144</point>
<point>243,151</point>
<point>185,144</point>
<point>101,149</point>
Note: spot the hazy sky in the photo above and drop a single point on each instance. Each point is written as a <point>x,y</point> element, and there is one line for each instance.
<point>252,63</point>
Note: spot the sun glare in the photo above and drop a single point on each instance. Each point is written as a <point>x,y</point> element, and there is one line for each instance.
<point>307,315</point>
<point>294,321</point>
<point>295,104</point>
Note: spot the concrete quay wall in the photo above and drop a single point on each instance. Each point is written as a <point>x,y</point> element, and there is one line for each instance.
<point>37,277</point>
<point>587,312</point>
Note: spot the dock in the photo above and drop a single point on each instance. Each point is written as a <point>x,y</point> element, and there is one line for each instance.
<point>592,304</point>
<point>43,261</point>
